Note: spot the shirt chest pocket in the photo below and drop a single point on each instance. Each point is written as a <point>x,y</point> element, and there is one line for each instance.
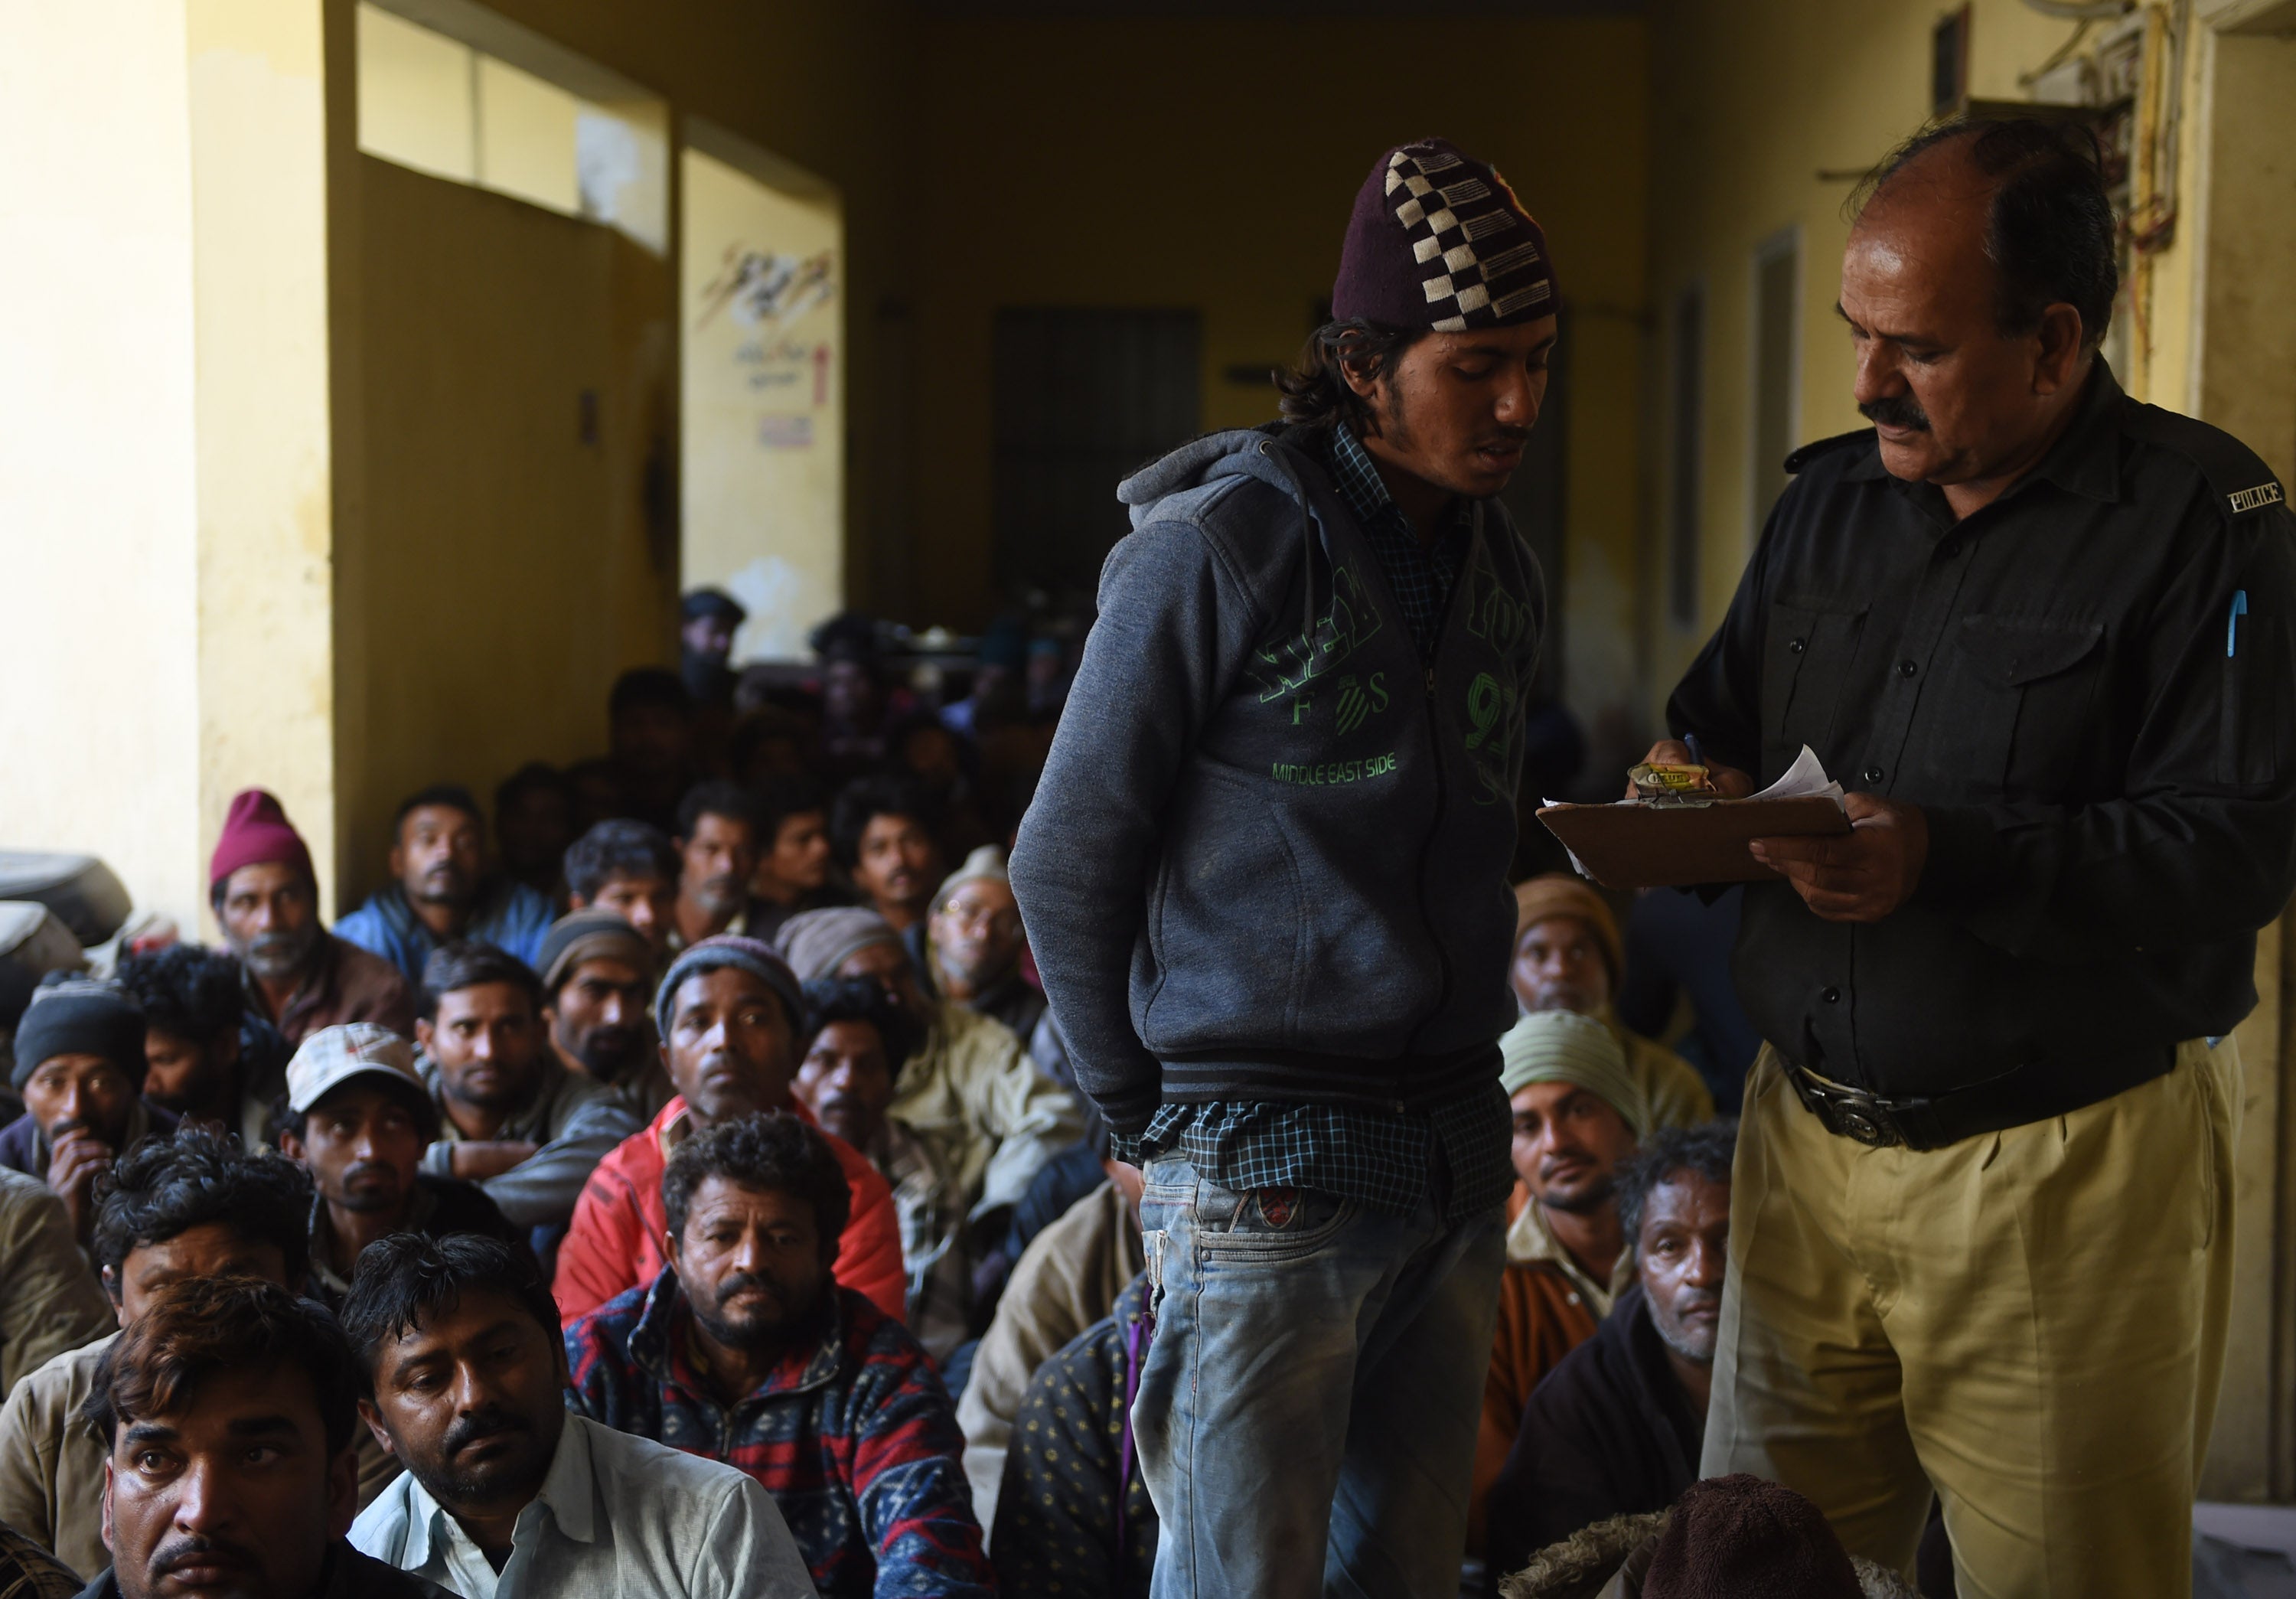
<point>1806,658</point>
<point>2032,708</point>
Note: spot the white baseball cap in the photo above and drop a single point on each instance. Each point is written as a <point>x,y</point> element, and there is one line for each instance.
<point>333,1055</point>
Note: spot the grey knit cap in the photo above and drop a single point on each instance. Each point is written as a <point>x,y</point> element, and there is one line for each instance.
<point>753,956</point>
<point>817,943</point>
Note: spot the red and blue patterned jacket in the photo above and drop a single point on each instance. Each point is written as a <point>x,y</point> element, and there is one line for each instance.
<point>853,1435</point>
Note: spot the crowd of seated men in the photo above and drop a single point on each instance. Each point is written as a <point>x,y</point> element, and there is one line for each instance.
<point>686,1192</point>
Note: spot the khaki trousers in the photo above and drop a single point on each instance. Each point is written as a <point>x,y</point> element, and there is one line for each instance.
<point>2031,1321</point>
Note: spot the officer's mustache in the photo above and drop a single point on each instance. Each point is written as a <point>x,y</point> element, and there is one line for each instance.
<point>1896,411</point>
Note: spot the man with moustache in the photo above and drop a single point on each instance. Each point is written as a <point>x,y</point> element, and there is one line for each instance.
<point>357,1119</point>
<point>1615,1429</point>
<point>745,1350</point>
<point>731,1017</point>
<point>506,1495</point>
<point>720,830</point>
<point>300,977</point>
<point>1300,713</point>
<point>883,831</point>
<point>79,1068</point>
<point>597,993</point>
<point>441,890</point>
<point>2043,633</point>
<point>511,1119</point>
<point>227,1413</point>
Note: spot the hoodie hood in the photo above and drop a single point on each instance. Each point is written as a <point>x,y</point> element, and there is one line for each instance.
<point>1211,461</point>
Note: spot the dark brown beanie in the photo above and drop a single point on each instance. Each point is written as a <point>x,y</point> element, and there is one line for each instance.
<point>1740,1538</point>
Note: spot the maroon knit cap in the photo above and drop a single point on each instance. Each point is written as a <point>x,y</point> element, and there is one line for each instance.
<point>1730,1536</point>
<point>1439,241</point>
<point>257,830</point>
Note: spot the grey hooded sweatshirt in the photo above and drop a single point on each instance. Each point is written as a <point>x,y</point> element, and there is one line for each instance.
<point>1268,859</point>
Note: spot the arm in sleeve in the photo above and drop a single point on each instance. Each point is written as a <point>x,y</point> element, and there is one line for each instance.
<point>916,1509</point>
<point>598,1260</point>
<point>745,1548</point>
<point>2200,847</point>
<point>29,1442</point>
<point>1029,1117</point>
<point>1153,669</point>
<point>541,1190</point>
<point>52,1302</point>
<point>1720,698</point>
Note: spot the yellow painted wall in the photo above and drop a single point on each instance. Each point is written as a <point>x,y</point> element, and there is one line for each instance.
<point>100,721</point>
<point>1211,163</point>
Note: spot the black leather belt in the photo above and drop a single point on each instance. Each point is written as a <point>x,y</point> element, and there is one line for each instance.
<point>2027,1093</point>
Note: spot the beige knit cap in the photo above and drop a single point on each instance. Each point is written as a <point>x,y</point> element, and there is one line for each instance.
<point>1562,1047</point>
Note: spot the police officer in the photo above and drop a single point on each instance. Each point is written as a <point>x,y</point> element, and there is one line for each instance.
<point>1980,1232</point>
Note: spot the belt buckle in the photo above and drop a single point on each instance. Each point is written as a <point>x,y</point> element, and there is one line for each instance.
<point>1852,1112</point>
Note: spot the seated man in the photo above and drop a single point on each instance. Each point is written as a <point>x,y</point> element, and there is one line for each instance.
<point>227,1414</point>
<point>79,1068</point>
<point>1616,1428</point>
<point>300,977</point>
<point>969,1090</point>
<point>534,824</point>
<point>974,944</point>
<point>511,1119</point>
<point>849,1065</point>
<point>630,869</point>
<point>1578,1114</point>
<point>441,891</point>
<point>597,986</point>
<point>792,872</point>
<point>506,1496</point>
<point>650,731</point>
<point>719,830</point>
<point>1065,1281</point>
<point>1568,956</point>
<point>882,830</point>
<point>357,1119</point>
<point>1074,1516</point>
<point>731,1015</point>
<point>745,1350</point>
<point>194,1008</point>
<point>197,1206</point>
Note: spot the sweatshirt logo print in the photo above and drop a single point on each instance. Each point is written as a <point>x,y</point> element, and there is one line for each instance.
<point>1357,703</point>
<point>1288,665</point>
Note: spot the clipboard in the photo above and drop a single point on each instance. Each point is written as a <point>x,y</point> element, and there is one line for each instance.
<point>1636,845</point>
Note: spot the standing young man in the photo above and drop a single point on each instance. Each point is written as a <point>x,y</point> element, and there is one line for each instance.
<point>1265,879</point>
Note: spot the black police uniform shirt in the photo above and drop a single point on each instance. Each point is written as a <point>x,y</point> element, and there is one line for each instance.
<point>2086,686</point>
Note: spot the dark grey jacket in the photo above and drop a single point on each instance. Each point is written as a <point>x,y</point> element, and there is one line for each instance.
<point>1267,859</point>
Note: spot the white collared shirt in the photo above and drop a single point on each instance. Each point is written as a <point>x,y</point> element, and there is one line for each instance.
<point>617,1515</point>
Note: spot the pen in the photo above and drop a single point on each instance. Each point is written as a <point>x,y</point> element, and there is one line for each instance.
<point>2232,624</point>
<point>1697,755</point>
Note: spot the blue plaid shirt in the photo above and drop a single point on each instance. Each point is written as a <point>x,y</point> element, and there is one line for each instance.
<point>1378,1158</point>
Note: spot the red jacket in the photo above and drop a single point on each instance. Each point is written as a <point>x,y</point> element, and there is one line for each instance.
<point>615,1241</point>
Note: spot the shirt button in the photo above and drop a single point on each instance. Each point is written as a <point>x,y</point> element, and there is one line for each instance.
<point>1949,548</point>
<point>1906,669</point>
<point>1798,645</point>
<point>1832,997</point>
<point>1872,773</point>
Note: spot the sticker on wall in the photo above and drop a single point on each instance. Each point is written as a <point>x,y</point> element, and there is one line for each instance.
<point>785,432</point>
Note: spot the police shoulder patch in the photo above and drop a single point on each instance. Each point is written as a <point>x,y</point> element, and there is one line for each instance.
<point>2236,475</point>
<point>1810,452</point>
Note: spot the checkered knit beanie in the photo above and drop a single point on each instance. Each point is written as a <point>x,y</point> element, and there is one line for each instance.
<point>1440,241</point>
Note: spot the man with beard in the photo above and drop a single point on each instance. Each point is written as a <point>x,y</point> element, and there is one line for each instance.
<point>1569,956</point>
<point>848,1067</point>
<point>731,1016</point>
<point>357,1119</point>
<point>719,827</point>
<point>968,1089</point>
<point>511,1119</point>
<point>597,988</point>
<point>79,1069</point>
<point>1615,1429</point>
<point>205,1057</point>
<point>974,943</point>
<point>506,1495</point>
<point>632,870</point>
<point>883,831</point>
<point>442,891</point>
<point>227,1413</point>
<point>300,977</point>
<point>1577,1114</point>
<point>744,1350</point>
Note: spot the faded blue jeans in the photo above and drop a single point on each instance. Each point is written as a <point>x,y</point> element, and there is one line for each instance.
<point>1306,1417</point>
